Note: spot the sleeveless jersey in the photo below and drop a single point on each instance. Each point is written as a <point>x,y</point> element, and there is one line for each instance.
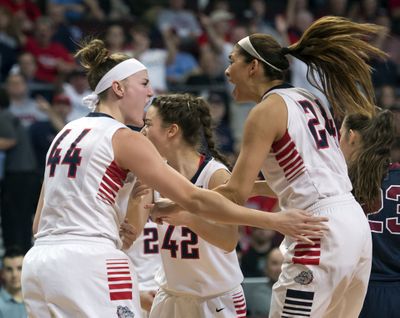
<point>145,256</point>
<point>385,227</point>
<point>86,193</point>
<point>306,164</point>
<point>191,265</point>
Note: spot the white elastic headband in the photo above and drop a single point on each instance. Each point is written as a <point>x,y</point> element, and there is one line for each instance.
<point>117,73</point>
<point>249,48</point>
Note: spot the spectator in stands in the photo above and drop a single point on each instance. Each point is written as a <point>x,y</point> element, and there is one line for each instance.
<point>65,33</point>
<point>217,27</point>
<point>9,41</point>
<point>43,132</point>
<point>21,105</point>
<point>52,58</point>
<point>27,67</point>
<point>175,17</point>
<point>258,298</point>
<point>115,38</point>
<point>257,15</point>
<point>253,260</point>
<point>155,59</point>
<point>11,302</point>
<point>76,10</point>
<point>183,65</point>
<point>24,11</point>
<point>220,116</point>
<point>387,96</point>
<point>19,178</point>
<point>76,87</point>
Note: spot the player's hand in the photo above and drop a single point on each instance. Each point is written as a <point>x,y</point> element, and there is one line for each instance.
<point>176,218</point>
<point>139,189</point>
<point>146,299</point>
<point>300,225</point>
<point>128,234</point>
<point>162,208</point>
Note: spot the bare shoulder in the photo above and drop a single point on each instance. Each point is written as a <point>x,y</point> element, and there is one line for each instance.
<point>128,144</point>
<point>221,176</point>
<point>273,103</point>
<point>269,115</point>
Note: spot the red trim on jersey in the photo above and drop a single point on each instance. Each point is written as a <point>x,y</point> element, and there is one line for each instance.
<point>285,151</point>
<point>288,157</point>
<point>121,295</point>
<point>111,183</point>
<point>121,286</point>
<point>105,194</point>
<point>117,279</point>
<point>118,273</point>
<point>293,165</point>
<point>104,199</point>
<point>277,145</point>
<point>109,191</point>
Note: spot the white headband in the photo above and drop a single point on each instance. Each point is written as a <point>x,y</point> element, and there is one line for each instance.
<point>117,73</point>
<point>249,48</point>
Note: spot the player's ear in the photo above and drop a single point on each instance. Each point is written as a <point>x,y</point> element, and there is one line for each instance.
<point>173,130</point>
<point>354,137</point>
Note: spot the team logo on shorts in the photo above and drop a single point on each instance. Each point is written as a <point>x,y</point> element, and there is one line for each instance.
<point>304,278</point>
<point>124,312</point>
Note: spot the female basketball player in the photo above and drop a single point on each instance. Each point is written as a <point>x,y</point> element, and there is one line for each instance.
<point>200,275</point>
<point>366,144</point>
<point>76,267</point>
<point>291,137</point>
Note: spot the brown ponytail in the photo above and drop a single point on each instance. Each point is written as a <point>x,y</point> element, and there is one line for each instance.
<point>335,50</point>
<point>371,160</point>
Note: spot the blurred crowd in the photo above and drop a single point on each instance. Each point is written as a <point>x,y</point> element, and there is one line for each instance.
<point>185,46</point>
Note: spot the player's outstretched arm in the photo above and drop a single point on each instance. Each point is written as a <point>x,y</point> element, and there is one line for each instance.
<point>136,153</point>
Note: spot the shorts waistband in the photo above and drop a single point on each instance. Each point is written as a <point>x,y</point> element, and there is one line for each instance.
<point>337,200</point>
<point>73,239</point>
<point>200,298</point>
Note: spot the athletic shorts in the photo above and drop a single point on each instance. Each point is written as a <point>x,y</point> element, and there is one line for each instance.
<point>330,278</point>
<point>85,277</point>
<point>228,305</point>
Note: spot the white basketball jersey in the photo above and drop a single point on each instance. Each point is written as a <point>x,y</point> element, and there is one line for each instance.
<point>145,256</point>
<point>191,265</point>
<point>86,193</point>
<point>306,164</point>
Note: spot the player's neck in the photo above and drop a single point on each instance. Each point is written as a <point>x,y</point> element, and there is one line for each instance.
<point>185,161</point>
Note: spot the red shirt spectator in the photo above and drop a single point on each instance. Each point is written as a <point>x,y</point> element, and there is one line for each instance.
<point>26,7</point>
<point>52,58</point>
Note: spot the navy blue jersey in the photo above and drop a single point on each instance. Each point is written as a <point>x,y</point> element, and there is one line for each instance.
<point>385,227</point>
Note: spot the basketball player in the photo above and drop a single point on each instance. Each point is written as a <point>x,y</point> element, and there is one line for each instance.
<point>146,260</point>
<point>365,143</point>
<point>76,267</point>
<point>291,137</point>
<point>200,275</point>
